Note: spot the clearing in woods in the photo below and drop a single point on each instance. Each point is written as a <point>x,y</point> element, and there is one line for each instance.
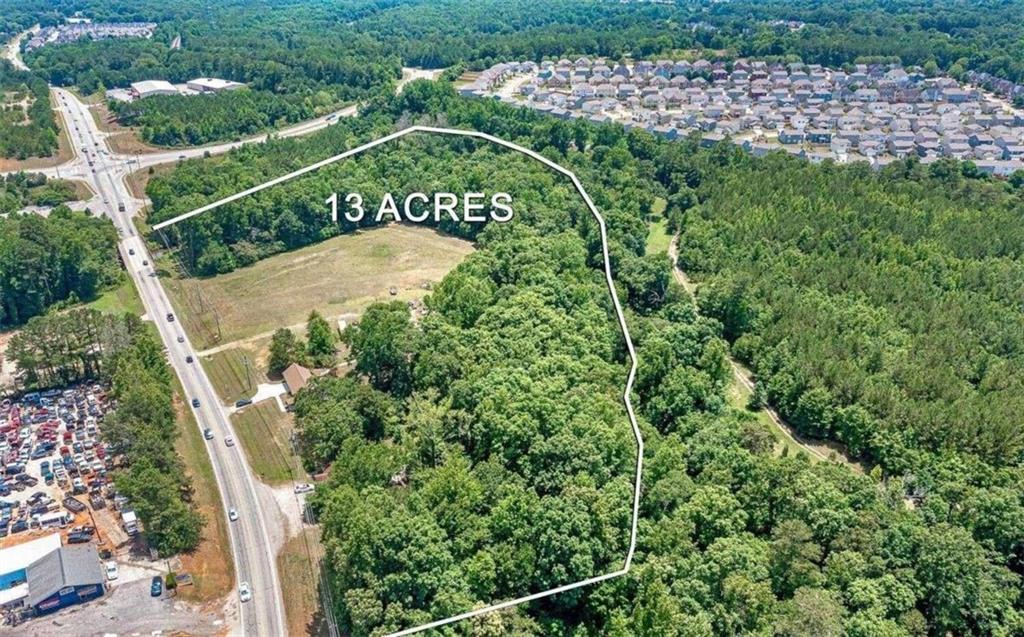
<point>341,275</point>
<point>658,235</point>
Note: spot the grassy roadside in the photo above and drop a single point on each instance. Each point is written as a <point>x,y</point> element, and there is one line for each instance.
<point>82,190</point>
<point>139,179</point>
<point>234,373</point>
<point>123,299</point>
<point>265,432</point>
<point>210,564</point>
<point>304,615</point>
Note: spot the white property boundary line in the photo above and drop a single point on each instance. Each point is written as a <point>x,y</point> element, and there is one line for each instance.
<point>618,312</point>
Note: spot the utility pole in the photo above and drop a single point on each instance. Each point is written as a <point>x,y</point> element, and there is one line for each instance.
<point>248,372</point>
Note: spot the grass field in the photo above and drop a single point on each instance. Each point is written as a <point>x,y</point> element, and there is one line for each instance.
<point>265,433</point>
<point>338,276</point>
<point>235,373</point>
<point>658,237</point>
<point>304,614</point>
<point>210,564</point>
<point>119,300</point>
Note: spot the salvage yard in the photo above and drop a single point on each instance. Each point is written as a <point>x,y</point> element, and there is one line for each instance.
<point>54,465</point>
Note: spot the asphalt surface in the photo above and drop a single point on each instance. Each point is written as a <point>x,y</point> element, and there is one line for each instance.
<point>253,553</point>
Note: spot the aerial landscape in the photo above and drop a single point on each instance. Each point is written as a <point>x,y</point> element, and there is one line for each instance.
<point>556,318</point>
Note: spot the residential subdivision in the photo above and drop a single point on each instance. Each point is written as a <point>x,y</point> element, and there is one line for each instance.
<point>875,113</point>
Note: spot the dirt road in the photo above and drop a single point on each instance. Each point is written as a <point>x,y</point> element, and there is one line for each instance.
<point>818,449</point>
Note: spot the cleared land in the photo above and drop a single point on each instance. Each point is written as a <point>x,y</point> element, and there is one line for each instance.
<point>303,611</point>
<point>265,432</point>
<point>119,300</point>
<point>337,277</point>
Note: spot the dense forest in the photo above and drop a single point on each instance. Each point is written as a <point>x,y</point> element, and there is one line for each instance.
<point>734,537</point>
<point>179,120</point>
<point>883,309</point>
<point>27,124</point>
<point>63,258</point>
<point>84,344</point>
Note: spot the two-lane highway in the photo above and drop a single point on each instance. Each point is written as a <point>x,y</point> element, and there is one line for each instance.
<point>254,555</point>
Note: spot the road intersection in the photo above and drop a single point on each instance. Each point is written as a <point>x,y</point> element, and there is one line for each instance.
<point>106,172</point>
<point>253,552</point>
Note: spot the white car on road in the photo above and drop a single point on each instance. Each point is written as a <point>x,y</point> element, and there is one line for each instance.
<point>244,593</point>
<point>111,570</point>
<point>303,487</point>
<point>232,514</point>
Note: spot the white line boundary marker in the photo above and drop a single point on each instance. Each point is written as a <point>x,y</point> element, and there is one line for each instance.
<point>618,312</point>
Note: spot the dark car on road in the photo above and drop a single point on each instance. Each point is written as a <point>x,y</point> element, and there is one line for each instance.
<point>195,402</point>
<point>156,588</point>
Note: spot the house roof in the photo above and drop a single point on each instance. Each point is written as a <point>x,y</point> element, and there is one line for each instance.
<point>295,377</point>
<point>67,566</point>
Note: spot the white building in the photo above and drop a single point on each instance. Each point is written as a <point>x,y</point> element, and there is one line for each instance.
<point>148,88</point>
<point>14,563</point>
<point>212,85</point>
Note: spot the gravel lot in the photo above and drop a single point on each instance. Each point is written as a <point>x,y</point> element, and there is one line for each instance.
<point>127,610</point>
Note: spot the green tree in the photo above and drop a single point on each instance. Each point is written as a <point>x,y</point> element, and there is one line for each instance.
<point>285,349</point>
<point>382,343</point>
<point>320,340</point>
